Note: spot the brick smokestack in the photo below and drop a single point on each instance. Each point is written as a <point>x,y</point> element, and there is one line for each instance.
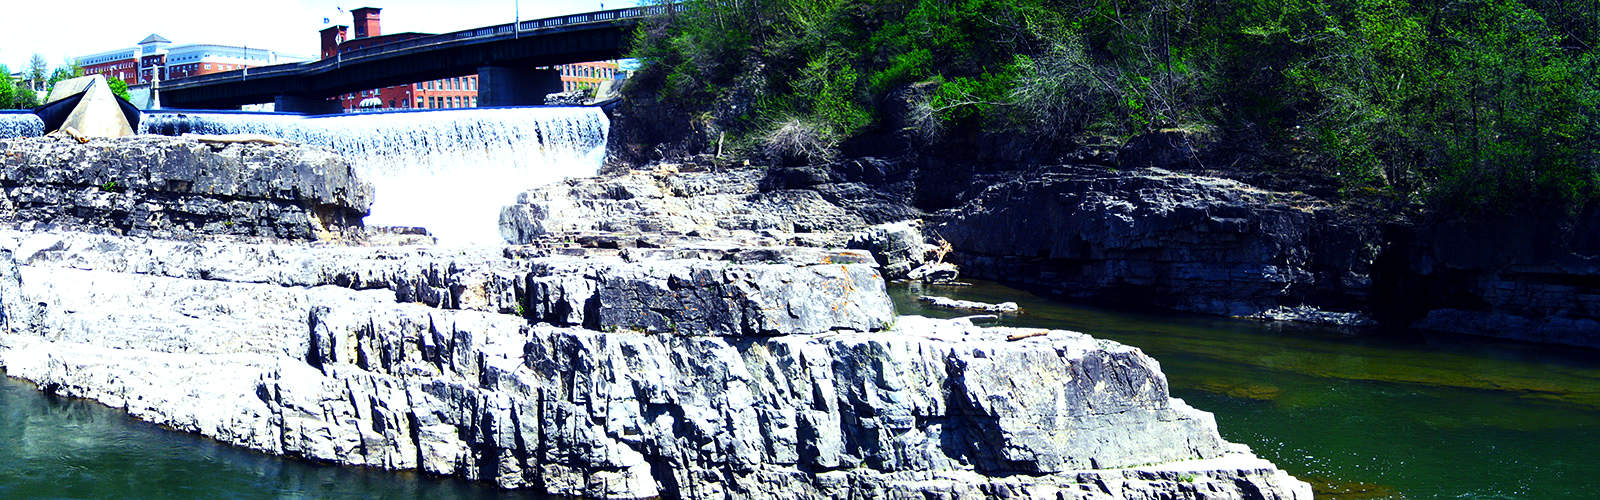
<point>366,22</point>
<point>332,36</point>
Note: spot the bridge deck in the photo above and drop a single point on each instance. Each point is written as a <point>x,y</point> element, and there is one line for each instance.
<point>583,37</point>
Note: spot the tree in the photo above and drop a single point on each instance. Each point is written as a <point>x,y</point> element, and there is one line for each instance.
<point>118,87</point>
<point>8,89</point>
<point>37,73</point>
<point>65,71</point>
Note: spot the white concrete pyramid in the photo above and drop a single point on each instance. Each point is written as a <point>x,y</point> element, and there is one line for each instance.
<point>97,114</point>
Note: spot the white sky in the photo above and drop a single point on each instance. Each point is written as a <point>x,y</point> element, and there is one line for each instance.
<point>63,29</point>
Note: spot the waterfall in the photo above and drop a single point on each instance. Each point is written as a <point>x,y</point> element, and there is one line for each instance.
<point>449,171</point>
<point>20,124</point>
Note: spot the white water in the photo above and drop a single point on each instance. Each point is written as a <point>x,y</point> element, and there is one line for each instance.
<point>449,171</point>
<point>20,124</point>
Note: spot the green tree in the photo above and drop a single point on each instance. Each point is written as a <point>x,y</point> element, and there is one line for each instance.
<point>37,72</point>
<point>118,87</point>
<point>66,70</point>
<point>8,89</point>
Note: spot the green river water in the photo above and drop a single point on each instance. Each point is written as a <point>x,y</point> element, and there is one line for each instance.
<point>1360,416</point>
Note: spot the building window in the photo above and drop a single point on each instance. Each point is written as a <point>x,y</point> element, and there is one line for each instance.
<point>472,102</point>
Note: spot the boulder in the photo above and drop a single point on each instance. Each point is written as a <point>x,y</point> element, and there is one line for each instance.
<point>899,246</point>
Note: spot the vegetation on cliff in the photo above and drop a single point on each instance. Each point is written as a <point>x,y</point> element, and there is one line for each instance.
<point>1463,103</point>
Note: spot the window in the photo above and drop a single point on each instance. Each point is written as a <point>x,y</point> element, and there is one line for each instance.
<point>421,104</point>
<point>472,102</point>
<point>208,65</point>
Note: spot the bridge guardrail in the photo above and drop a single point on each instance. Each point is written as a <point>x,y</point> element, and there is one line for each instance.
<point>534,26</point>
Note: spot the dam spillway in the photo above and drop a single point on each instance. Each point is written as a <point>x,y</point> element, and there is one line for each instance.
<point>449,171</point>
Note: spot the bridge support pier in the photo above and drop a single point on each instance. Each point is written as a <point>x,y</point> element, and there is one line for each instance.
<point>306,105</point>
<point>507,86</point>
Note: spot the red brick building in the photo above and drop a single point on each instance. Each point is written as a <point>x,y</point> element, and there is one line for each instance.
<point>155,58</point>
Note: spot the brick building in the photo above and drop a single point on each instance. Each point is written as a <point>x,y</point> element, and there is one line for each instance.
<point>444,93</point>
<point>156,58</point>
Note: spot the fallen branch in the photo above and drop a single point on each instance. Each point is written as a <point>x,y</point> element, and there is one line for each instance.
<point>73,133</point>
<point>1021,336</point>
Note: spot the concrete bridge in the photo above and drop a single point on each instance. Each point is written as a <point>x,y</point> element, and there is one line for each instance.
<point>505,57</point>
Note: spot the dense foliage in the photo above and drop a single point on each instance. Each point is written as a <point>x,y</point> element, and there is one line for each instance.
<point>1465,103</point>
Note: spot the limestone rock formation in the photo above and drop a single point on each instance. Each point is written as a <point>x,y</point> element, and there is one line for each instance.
<point>1157,238</point>
<point>1532,277</point>
<point>900,247</point>
<point>808,204</point>
<point>173,187</point>
<point>426,358</point>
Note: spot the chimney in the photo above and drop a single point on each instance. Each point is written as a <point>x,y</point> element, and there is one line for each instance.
<point>366,22</point>
<point>332,36</point>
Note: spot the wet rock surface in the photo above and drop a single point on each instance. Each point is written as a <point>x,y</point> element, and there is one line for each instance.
<point>426,358</point>
<point>967,305</point>
<point>178,188</point>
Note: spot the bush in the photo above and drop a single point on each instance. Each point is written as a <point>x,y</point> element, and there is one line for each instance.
<point>796,140</point>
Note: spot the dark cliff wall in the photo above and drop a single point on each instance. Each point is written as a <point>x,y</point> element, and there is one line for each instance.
<point>1532,276</point>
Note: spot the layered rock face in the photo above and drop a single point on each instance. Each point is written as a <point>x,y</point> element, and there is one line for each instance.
<point>1154,237</point>
<point>818,206</point>
<point>681,372</point>
<point>1531,277</point>
<point>178,188</point>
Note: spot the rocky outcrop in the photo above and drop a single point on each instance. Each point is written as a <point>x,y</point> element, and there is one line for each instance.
<point>967,305</point>
<point>679,372</point>
<point>1530,277</point>
<point>819,206</point>
<point>178,188</point>
<point>1152,237</point>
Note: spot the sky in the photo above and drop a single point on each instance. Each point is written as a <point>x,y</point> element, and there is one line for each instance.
<point>60,30</point>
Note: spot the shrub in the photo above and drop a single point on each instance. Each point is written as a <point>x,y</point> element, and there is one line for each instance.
<point>797,140</point>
